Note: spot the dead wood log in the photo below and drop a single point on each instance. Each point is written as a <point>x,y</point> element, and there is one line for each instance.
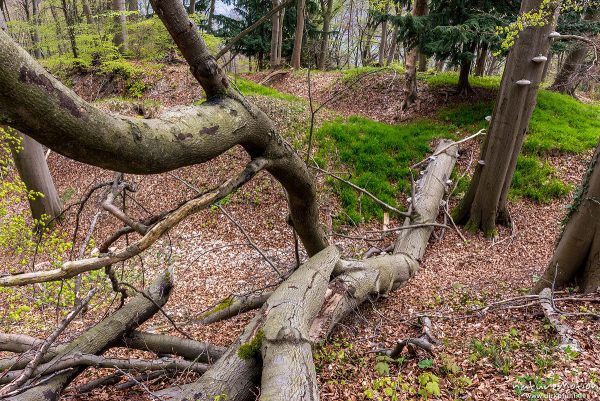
<point>288,368</point>
<point>20,377</point>
<point>563,329</point>
<point>236,375</point>
<point>79,360</point>
<point>233,306</point>
<point>158,343</point>
<point>359,280</point>
<point>169,345</point>
<point>106,333</point>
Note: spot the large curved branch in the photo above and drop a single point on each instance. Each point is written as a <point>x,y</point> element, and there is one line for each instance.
<point>33,101</point>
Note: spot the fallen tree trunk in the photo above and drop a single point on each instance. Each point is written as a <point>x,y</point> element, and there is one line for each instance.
<point>288,368</point>
<point>357,281</point>
<point>98,338</point>
<point>236,375</point>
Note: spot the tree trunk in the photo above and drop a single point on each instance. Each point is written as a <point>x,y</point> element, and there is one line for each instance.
<point>192,7</point>
<point>35,16</point>
<point>392,51</point>
<point>211,14</point>
<point>323,52</point>
<point>280,36</point>
<point>87,11</point>
<point>572,71</point>
<point>297,52</point>
<point>422,63</point>
<point>464,87</point>
<point>120,37</point>
<point>481,59</point>
<point>274,37</point>
<point>384,38</point>
<point>33,170</point>
<point>410,76</point>
<point>484,204</point>
<point>576,259</point>
<point>70,27</point>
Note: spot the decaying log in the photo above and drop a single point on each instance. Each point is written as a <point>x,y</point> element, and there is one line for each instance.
<point>233,306</point>
<point>562,328</point>
<point>169,345</point>
<point>235,375</point>
<point>106,333</point>
<point>359,280</point>
<point>75,360</point>
<point>288,368</point>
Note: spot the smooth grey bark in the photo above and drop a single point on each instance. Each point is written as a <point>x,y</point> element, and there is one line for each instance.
<point>274,60</point>
<point>35,16</point>
<point>106,333</point>
<point>33,101</point>
<point>297,51</point>
<point>120,37</point>
<point>288,369</point>
<point>384,38</point>
<point>572,71</point>
<point>30,162</point>
<point>327,8</point>
<point>484,204</point>
<point>211,14</point>
<point>576,259</point>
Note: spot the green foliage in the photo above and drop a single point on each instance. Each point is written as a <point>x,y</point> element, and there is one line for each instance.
<point>251,349</point>
<point>536,180</point>
<point>20,236</point>
<point>251,88</point>
<point>450,78</point>
<point>224,304</point>
<point>497,350</point>
<point>562,124</point>
<point>379,156</point>
<point>429,385</point>
<point>425,363</point>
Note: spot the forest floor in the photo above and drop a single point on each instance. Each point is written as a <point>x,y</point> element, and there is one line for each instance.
<point>504,354</point>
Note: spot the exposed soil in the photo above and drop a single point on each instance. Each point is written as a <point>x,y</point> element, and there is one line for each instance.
<point>213,259</point>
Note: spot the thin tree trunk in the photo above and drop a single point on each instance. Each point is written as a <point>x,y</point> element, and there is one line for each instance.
<point>132,6</point>
<point>297,52</point>
<point>192,7</point>
<point>384,38</point>
<point>87,11</point>
<point>485,202</point>
<point>410,76</point>
<point>274,37</point>
<point>70,28</point>
<point>392,51</point>
<point>464,87</point>
<point>481,59</point>
<point>211,14</point>
<point>120,37</point>
<point>323,52</point>
<point>35,16</point>
<point>422,63</point>
<point>280,37</point>
<point>576,258</point>
<point>32,167</point>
